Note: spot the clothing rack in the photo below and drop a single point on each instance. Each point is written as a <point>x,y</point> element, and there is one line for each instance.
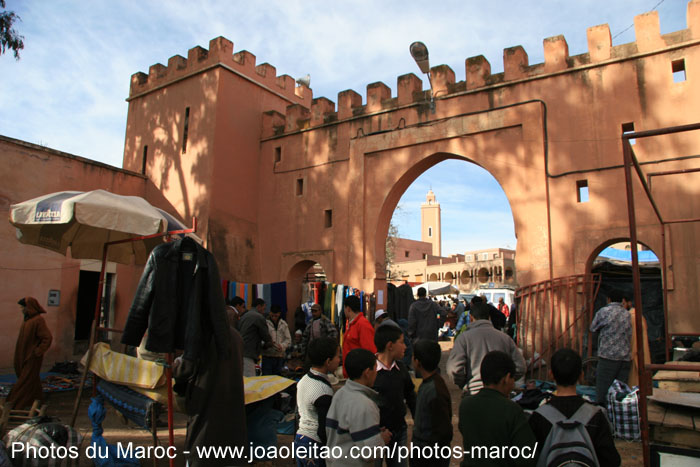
<point>97,328</point>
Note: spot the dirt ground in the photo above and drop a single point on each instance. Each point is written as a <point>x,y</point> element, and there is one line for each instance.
<point>60,405</point>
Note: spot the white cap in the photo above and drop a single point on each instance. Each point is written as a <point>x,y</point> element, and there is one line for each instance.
<point>379,314</point>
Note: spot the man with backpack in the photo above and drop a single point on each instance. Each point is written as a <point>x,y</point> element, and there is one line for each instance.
<point>568,419</point>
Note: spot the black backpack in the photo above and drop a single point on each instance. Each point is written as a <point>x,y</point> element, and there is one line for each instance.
<point>568,443</point>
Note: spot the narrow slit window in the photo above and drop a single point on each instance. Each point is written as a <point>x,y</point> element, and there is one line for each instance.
<point>328,218</point>
<point>145,159</point>
<point>582,191</point>
<point>430,231</point>
<point>678,68</point>
<point>278,154</point>
<point>300,186</point>
<point>628,128</point>
<point>185,130</point>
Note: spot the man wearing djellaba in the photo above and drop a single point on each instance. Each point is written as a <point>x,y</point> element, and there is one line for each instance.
<point>32,343</point>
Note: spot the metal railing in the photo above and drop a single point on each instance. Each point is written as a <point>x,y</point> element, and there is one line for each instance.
<point>554,314</point>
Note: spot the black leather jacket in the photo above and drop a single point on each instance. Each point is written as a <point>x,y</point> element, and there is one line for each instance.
<point>179,300</point>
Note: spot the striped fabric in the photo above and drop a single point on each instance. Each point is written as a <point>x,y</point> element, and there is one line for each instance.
<point>122,369</point>
<point>257,388</point>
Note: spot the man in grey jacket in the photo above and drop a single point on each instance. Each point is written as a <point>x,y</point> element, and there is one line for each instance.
<point>423,318</point>
<point>470,347</point>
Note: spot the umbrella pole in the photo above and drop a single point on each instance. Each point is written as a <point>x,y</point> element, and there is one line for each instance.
<point>93,333</point>
<point>169,382</point>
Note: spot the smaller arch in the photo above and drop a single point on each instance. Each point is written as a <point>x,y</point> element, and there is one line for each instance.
<point>509,274</point>
<point>433,277</point>
<point>449,277</point>
<point>483,275</point>
<point>464,278</point>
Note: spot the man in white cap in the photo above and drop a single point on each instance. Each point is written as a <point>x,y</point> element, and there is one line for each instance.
<point>381,318</point>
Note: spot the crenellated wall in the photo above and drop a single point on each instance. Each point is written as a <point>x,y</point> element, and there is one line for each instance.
<point>478,74</point>
<point>220,54</point>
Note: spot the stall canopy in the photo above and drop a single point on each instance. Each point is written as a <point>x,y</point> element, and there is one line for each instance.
<point>85,221</point>
<point>436,288</point>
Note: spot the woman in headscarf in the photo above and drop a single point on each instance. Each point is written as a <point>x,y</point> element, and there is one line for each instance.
<point>32,343</point>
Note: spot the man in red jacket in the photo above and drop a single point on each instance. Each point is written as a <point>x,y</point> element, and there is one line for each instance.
<point>359,333</point>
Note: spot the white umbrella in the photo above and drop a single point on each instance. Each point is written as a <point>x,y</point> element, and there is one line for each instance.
<point>85,221</point>
<point>436,288</point>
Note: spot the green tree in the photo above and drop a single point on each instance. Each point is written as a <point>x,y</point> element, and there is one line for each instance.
<point>390,247</point>
<point>9,38</point>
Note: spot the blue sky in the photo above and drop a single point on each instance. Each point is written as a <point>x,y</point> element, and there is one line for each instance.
<point>67,92</point>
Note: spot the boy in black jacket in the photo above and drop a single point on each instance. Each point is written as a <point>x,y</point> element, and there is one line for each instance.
<point>567,367</point>
<point>433,416</point>
<point>395,388</point>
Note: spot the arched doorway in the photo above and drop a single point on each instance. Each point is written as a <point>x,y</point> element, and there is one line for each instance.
<point>474,222</point>
<point>299,291</point>
<point>612,260</point>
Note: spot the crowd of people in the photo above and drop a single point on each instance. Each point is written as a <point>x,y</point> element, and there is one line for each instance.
<point>383,362</point>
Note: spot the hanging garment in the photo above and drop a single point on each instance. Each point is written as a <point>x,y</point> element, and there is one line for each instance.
<point>179,301</point>
<point>278,296</point>
<point>267,296</point>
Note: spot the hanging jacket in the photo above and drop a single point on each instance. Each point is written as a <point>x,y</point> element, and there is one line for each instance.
<point>179,301</point>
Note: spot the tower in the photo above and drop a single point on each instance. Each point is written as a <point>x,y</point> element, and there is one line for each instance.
<point>430,223</point>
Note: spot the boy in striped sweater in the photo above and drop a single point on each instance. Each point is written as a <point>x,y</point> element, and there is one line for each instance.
<point>314,395</point>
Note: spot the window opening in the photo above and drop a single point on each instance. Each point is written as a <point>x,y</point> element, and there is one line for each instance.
<point>430,231</point>
<point>185,130</point>
<point>328,221</point>
<point>582,191</point>
<point>678,68</point>
<point>145,158</point>
<point>300,186</point>
<point>278,154</point>
<point>628,128</point>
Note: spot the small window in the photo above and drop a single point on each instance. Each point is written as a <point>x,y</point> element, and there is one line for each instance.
<point>495,256</point>
<point>328,218</point>
<point>278,154</point>
<point>484,256</point>
<point>405,254</point>
<point>628,128</point>
<point>678,68</point>
<point>185,130</point>
<point>430,231</point>
<point>145,159</point>
<point>582,191</point>
<point>470,258</point>
<point>300,186</point>
<point>425,256</point>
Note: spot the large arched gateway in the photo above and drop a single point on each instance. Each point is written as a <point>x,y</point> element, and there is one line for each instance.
<point>278,179</point>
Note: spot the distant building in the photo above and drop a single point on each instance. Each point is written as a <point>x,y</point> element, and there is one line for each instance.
<point>420,261</point>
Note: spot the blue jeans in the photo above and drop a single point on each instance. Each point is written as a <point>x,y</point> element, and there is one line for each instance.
<point>608,371</point>
<point>400,438</point>
<point>307,443</point>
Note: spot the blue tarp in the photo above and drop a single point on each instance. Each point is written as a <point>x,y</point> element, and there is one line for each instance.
<point>646,256</point>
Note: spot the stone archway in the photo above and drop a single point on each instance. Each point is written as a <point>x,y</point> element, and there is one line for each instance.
<point>494,141</point>
<point>294,279</point>
<point>615,270</point>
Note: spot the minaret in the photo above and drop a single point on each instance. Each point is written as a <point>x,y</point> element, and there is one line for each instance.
<point>430,223</point>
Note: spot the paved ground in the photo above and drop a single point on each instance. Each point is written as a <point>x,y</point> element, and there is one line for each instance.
<point>61,404</point>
